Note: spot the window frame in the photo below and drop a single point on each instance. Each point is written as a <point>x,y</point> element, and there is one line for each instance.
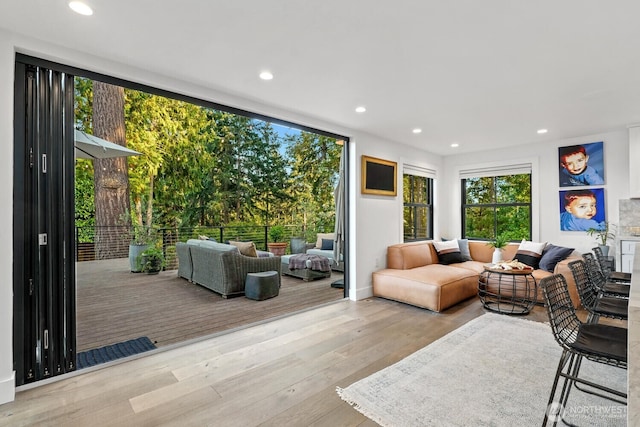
<point>495,205</point>
<point>414,206</point>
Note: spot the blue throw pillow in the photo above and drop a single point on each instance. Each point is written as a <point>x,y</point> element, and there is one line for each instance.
<point>553,255</point>
<point>327,245</point>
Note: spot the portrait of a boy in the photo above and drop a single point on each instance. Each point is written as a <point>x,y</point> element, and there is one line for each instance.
<point>581,210</point>
<point>581,165</point>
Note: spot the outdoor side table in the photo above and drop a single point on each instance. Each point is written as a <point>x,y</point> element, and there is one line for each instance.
<point>262,285</point>
<point>507,291</point>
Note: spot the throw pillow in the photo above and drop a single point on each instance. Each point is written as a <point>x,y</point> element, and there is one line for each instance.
<point>552,255</point>
<point>245,248</point>
<point>323,236</point>
<point>327,244</point>
<point>463,244</point>
<point>448,252</point>
<point>530,253</point>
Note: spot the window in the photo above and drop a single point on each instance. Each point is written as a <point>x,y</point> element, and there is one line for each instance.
<point>493,205</point>
<point>418,207</point>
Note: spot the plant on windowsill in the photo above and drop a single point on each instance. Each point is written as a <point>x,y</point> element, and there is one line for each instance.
<point>152,260</point>
<point>498,245</point>
<point>276,237</point>
<point>603,235</point>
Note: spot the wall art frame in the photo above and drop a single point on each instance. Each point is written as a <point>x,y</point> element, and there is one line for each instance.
<point>379,176</point>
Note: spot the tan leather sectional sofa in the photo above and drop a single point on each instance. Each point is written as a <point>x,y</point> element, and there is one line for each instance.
<point>413,275</point>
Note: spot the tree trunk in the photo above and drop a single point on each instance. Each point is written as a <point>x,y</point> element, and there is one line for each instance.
<point>111,179</point>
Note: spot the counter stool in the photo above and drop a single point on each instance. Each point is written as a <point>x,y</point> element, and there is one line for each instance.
<point>262,285</point>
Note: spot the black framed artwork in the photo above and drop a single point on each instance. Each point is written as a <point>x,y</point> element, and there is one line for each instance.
<point>379,176</point>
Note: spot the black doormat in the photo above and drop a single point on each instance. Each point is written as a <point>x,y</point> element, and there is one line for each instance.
<point>113,352</point>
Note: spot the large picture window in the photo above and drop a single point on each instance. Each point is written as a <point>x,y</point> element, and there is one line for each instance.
<point>418,207</point>
<point>497,205</point>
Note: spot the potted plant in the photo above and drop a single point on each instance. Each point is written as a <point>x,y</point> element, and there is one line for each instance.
<point>498,244</point>
<point>603,235</point>
<point>276,237</point>
<point>140,241</point>
<point>152,260</point>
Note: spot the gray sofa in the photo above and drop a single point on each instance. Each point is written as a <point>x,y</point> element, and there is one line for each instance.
<point>220,267</point>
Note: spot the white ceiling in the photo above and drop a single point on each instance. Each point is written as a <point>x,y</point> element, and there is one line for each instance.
<point>482,74</point>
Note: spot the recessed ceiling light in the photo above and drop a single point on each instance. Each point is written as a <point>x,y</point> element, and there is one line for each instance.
<point>455,145</point>
<point>417,130</point>
<point>81,8</point>
<point>360,109</point>
<point>541,131</point>
<point>266,75</point>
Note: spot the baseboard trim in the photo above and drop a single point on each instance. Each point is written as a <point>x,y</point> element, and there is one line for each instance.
<point>362,293</point>
<point>8,389</point>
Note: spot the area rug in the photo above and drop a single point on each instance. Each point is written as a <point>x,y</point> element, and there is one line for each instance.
<point>495,370</point>
<point>113,352</point>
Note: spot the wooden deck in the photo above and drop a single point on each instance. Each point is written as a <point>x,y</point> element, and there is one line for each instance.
<point>115,305</point>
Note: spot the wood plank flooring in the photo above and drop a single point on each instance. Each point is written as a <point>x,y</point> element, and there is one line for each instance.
<point>115,305</point>
<point>278,373</point>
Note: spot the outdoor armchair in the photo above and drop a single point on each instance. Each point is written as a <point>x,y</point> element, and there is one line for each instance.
<point>225,272</point>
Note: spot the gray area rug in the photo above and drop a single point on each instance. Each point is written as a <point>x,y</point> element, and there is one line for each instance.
<point>495,370</point>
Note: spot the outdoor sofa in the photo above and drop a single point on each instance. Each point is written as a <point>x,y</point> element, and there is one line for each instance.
<point>327,253</point>
<point>415,276</point>
<point>220,267</point>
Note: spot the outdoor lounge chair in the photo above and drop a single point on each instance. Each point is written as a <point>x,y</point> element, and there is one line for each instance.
<point>222,269</point>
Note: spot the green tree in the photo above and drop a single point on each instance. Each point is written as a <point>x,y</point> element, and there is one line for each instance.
<point>315,160</point>
<point>498,205</point>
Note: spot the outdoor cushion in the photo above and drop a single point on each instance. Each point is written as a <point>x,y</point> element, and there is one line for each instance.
<point>323,236</point>
<point>245,248</point>
<point>327,245</point>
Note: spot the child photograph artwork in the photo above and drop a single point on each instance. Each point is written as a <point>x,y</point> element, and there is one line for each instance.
<point>581,165</point>
<point>581,210</point>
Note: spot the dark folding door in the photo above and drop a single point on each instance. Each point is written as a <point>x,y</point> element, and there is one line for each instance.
<point>44,264</point>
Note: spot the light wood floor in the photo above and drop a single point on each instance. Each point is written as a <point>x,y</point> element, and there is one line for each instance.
<point>279,373</point>
<point>115,305</point>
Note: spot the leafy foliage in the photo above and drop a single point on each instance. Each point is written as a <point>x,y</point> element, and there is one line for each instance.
<point>604,234</point>
<point>497,206</point>
<point>202,167</point>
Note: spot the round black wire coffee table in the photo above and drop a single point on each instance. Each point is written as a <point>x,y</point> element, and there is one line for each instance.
<point>507,291</point>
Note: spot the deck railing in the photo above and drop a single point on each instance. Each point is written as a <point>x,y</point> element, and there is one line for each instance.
<point>94,243</point>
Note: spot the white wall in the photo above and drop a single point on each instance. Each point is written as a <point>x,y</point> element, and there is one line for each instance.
<point>545,175</point>
<point>6,217</point>
<point>379,218</point>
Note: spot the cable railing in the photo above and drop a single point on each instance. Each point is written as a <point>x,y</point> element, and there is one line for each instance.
<point>101,243</point>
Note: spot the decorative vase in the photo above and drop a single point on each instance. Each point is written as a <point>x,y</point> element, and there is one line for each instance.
<point>497,256</point>
<point>605,250</point>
